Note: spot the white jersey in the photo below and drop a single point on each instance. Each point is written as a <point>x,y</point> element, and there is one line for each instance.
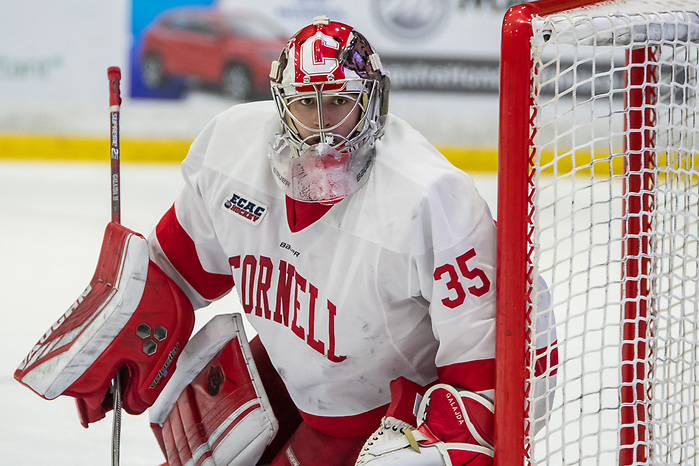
<point>395,280</point>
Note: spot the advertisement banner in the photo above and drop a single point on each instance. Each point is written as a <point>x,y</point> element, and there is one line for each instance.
<point>429,45</point>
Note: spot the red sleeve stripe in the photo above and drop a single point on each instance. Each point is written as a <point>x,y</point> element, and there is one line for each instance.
<point>476,376</point>
<point>363,424</point>
<point>182,254</point>
<point>546,359</point>
<point>480,375</point>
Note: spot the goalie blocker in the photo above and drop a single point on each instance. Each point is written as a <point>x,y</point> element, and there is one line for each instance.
<point>131,317</point>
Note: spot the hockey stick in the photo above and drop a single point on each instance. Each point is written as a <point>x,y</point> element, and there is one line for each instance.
<point>114,77</point>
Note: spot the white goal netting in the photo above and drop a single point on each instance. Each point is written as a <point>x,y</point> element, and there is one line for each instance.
<point>614,188</point>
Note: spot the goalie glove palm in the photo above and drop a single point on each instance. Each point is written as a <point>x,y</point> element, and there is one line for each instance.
<point>454,428</point>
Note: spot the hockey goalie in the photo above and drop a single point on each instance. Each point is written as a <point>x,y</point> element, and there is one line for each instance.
<point>364,261</point>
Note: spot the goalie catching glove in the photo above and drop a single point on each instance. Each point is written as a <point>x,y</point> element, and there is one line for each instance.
<point>454,428</point>
<point>131,317</point>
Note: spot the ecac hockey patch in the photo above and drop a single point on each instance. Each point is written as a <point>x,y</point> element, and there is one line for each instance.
<point>245,208</point>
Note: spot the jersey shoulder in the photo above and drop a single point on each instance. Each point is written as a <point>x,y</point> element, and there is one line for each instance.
<point>406,151</point>
<point>234,134</point>
<point>234,146</point>
<point>410,165</point>
<point>414,188</point>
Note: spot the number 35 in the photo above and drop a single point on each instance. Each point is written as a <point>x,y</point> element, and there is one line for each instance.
<point>453,283</point>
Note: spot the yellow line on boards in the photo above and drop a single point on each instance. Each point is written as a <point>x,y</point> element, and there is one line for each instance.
<point>470,159</point>
<point>88,149</point>
<point>79,149</point>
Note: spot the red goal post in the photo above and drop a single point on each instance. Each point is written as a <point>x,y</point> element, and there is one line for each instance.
<point>598,194</point>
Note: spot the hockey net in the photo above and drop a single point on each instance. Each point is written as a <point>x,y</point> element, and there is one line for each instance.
<point>598,194</point>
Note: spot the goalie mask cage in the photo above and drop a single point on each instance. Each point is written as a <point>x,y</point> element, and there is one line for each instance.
<point>598,194</point>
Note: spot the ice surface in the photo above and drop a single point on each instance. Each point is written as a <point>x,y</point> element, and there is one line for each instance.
<point>52,218</point>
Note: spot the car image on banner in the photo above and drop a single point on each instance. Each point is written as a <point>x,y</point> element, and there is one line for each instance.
<point>230,49</point>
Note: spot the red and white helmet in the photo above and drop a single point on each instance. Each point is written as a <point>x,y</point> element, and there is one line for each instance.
<point>319,161</point>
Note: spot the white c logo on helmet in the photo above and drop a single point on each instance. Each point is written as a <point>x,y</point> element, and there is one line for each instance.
<point>321,65</point>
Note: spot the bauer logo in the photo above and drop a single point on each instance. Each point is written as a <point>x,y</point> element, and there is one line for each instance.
<point>245,208</point>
